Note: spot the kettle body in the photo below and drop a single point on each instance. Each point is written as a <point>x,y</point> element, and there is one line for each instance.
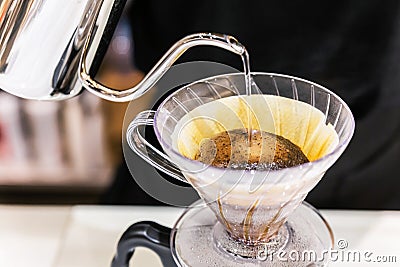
<point>49,49</point>
<point>42,41</point>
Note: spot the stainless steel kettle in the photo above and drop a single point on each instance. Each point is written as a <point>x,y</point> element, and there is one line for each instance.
<point>47,47</point>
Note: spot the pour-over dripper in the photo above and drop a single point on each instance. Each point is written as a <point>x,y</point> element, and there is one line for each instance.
<point>251,206</point>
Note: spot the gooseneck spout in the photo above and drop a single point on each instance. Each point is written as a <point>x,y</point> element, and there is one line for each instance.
<point>219,40</point>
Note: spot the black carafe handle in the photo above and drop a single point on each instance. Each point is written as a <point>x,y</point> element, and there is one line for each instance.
<point>144,234</point>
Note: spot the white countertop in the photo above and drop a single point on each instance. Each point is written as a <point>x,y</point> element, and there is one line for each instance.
<point>63,236</point>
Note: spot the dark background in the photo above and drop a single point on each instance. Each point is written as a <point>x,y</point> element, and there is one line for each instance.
<point>351,47</point>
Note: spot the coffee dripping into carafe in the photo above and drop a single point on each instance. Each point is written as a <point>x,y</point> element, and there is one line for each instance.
<point>253,214</point>
<point>250,213</point>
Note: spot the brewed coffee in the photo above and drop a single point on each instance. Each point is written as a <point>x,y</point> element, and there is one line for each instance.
<point>231,149</point>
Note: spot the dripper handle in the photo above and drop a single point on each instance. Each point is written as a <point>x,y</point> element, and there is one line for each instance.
<point>144,234</point>
<point>212,39</point>
<point>145,150</point>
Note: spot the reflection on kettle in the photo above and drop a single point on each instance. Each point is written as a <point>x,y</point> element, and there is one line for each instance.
<point>42,42</point>
<point>48,46</point>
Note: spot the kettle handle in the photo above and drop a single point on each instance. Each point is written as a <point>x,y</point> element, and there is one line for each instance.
<point>144,234</point>
<point>213,39</point>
